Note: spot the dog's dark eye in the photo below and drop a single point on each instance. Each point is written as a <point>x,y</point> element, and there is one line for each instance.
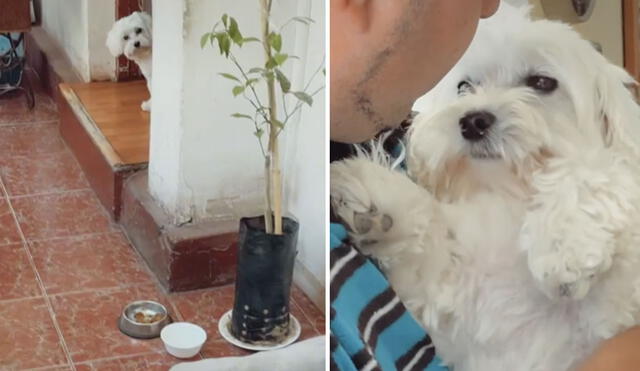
<point>126,37</point>
<point>464,87</point>
<point>543,84</point>
<point>138,31</point>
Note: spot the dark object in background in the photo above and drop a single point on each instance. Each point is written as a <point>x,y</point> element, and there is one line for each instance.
<point>581,7</point>
<point>15,16</point>
<point>263,281</point>
<point>568,11</point>
<point>12,68</point>
<point>340,151</point>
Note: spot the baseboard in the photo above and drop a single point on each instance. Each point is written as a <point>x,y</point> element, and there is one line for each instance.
<point>182,257</point>
<point>309,284</point>
<point>49,61</point>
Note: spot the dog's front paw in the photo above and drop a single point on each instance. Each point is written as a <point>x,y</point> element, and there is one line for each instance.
<point>567,269</point>
<point>569,248</point>
<point>353,202</point>
<point>146,105</point>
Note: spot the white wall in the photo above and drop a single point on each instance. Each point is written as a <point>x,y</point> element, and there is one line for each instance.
<point>604,27</point>
<point>66,21</point>
<point>304,158</point>
<point>205,164</point>
<point>100,18</point>
<point>80,28</point>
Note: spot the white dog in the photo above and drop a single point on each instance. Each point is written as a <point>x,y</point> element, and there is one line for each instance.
<point>131,36</point>
<point>514,236</point>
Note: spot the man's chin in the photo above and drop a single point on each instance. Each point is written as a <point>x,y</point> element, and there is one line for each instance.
<point>349,131</point>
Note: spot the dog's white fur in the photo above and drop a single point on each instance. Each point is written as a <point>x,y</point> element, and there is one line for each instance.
<point>131,36</point>
<point>523,253</point>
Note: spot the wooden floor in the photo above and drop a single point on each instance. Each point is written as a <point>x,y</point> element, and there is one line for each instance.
<point>115,110</point>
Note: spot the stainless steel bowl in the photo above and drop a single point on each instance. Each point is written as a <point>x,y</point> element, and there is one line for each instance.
<point>129,326</point>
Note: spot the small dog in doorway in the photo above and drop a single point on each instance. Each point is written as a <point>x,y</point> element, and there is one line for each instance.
<point>131,36</point>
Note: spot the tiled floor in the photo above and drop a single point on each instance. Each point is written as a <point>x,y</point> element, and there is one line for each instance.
<point>66,271</point>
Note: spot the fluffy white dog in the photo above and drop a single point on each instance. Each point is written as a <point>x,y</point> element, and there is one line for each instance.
<point>514,235</point>
<point>131,36</point>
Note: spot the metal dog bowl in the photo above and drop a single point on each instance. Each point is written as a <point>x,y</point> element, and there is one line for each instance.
<point>146,309</point>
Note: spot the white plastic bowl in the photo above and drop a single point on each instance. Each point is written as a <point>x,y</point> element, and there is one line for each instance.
<point>183,339</point>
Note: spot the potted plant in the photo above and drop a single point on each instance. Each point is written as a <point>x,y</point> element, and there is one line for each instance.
<point>267,243</point>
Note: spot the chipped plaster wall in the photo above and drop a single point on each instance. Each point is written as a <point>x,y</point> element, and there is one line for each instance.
<point>205,164</point>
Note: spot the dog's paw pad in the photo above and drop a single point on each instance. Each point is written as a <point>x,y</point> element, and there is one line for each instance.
<point>369,227</point>
<point>386,223</point>
<point>362,222</point>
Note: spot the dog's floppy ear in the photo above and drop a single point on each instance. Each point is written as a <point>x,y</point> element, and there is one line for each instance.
<point>146,20</point>
<point>619,111</point>
<point>114,41</point>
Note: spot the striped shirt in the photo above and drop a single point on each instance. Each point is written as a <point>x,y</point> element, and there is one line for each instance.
<point>370,327</point>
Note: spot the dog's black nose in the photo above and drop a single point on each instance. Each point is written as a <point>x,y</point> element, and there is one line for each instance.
<point>474,125</point>
<point>136,44</point>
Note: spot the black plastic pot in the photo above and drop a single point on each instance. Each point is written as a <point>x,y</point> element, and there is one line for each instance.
<point>263,281</point>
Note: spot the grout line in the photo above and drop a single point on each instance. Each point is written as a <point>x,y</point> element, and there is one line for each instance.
<point>10,243</point>
<point>70,237</point>
<point>51,193</point>
<point>30,123</point>
<point>101,290</point>
<point>306,316</point>
<point>44,368</point>
<point>8,301</point>
<point>115,358</point>
<point>204,289</point>
<point>43,290</point>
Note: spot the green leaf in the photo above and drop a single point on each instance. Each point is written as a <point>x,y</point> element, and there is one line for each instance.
<point>204,39</point>
<point>224,19</point>
<point>241,116</point>
<point>275,41</point>
<point>237,90</point>
<point>234,32</point>
<point>251,81</point>
<point>257,70</point>
<point>305,20</point>
<point>224,43</point>
<point>229,76</point>
<point>285,84</point>
<point>268,76</point>
<point>276,60</point>
<point>306,98</point>
<point>271,63</point>
<point>258,133</point>
<point>280,58</point>
<point>250,39</point>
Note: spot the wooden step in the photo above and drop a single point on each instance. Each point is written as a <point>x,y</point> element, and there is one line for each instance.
<point>108,132</point>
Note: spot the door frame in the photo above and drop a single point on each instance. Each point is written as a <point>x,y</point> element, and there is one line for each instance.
<point>631,36</point>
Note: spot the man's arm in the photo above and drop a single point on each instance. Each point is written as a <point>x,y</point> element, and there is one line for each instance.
<point>620,353</point>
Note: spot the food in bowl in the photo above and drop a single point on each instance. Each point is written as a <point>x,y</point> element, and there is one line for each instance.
<point>146,317</point>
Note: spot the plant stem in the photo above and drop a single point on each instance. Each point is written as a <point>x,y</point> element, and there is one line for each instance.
<point>274,156</point>
<point>268,212</point>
